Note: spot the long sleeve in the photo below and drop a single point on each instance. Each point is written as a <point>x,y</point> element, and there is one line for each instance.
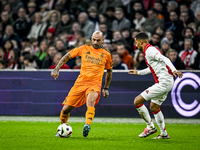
<point>166,60</point>
<point>144,71</point>
<point>168,63</point>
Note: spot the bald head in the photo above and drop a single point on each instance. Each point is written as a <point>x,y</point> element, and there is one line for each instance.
<point>97,39</point>
<point>97,33</point>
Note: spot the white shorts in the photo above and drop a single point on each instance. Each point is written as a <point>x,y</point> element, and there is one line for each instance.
<point>157,93</point>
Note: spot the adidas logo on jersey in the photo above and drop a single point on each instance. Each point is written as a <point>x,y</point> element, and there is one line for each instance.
<point>88,52</point>
<point>147,91</point>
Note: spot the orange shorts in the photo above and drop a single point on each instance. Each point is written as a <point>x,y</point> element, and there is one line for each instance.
<point>78,94</point>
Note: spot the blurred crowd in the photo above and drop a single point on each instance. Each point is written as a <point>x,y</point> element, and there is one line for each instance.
<point>35,34</point>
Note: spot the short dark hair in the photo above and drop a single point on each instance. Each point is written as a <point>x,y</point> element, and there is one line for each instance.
<point>135,30</point>
<point>173,11</point>
<point>120,43</point>
<point>29,57</point>
<point>52,46</point>
<point>186,28</point>
<point>110,9</point>
<point>137,1</point>
<point>161,26</point>
<point>104,14</point>
<point>80,32</point>
<point>125,29</point>
<point>141,12</point>
<point>158,2</point>
<point>102,23</point>
<point>65,13</point>
<point>116,53</point>
<point>153,10</point>
<point>157,35</point>
<point>60,41</point>
<point>142,36</point>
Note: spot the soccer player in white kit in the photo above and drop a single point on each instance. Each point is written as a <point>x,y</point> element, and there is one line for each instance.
<point>163,71</point>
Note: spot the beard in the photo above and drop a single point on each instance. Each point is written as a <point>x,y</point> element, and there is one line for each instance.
<point>96,46</point>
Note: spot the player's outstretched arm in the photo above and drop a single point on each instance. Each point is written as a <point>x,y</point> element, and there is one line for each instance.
<point>64,59</point>
<point>178,73</point>
<point>171,66</point>
<point>107,83</point>
<point>135,72</point>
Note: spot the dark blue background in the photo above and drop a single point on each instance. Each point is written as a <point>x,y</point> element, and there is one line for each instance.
<point>37,93</point>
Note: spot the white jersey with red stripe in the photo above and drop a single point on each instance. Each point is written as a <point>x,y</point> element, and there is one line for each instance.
<point>159,65</point>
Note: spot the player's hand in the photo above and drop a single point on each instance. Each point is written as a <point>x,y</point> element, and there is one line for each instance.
<point>178,73</point>
<point>55,74</point>
<point>105,93</point>
<point>133,72</point>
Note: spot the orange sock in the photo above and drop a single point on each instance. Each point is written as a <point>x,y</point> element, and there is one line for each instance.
<point>89,115</point>
<point>64,117</point>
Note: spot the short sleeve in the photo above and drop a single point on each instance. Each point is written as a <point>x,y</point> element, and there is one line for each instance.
<point>109,62</point>
<point>76,51</point>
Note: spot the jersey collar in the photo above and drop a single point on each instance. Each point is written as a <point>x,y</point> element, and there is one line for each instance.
<point>145,48</point>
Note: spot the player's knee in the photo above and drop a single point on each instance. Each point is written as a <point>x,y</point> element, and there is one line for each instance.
<point>64,111</point>
<point>90,102</point>
<point>91,99</point>
<point>67,109</point>
<point>139,100</point>
<point>154,109</point>
<point>136,101</point>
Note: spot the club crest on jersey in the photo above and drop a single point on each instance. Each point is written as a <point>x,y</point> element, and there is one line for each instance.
<point>88,52</point>
<point>147,91</point>
<point>102,55</point>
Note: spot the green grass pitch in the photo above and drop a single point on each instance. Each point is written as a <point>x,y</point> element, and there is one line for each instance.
<point>22,135</point>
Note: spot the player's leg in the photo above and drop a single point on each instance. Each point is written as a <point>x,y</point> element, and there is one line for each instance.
<point>74,99</point>
<point>65,113</point>
<point>89,115</point>
<point>91,99</point>
<point>144,113</point>
<point>155,108</point>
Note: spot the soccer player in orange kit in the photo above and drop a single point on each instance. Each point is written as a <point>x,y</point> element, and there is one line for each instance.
<point>87,88</point>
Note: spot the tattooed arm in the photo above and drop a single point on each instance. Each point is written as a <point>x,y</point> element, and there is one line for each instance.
<point>107,83</point>
<point>64,59</point>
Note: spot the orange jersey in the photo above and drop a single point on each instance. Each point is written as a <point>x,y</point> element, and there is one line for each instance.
<point>93,63</point>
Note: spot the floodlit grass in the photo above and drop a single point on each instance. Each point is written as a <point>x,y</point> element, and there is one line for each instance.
<point>20,135</point>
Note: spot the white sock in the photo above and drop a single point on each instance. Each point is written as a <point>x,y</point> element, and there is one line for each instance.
<point>144,113</point>
<point>160,121</point>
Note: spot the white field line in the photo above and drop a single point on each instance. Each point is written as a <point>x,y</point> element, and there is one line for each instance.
<point>97,119</point>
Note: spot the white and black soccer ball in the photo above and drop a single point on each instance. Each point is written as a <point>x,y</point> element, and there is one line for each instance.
<point>64,130</point>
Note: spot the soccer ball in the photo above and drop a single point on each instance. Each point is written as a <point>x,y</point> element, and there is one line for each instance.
<point>64,130</point>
